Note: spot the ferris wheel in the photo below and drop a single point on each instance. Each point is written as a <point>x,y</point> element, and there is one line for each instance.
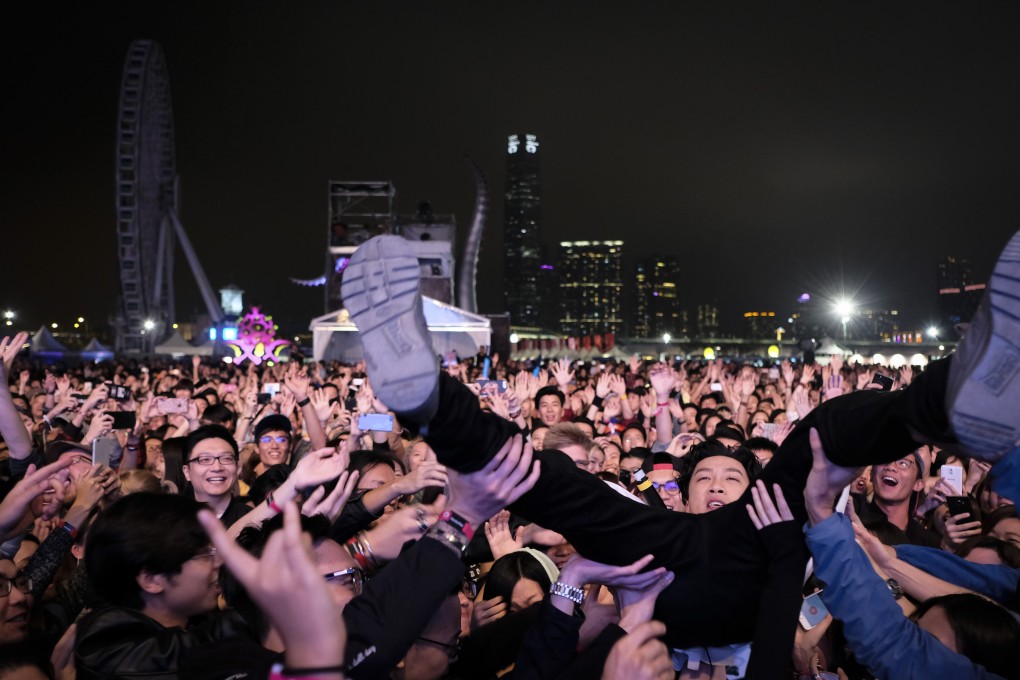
<point>148,227</point>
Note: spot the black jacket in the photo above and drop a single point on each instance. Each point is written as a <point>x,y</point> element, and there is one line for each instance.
<point>116,642</point>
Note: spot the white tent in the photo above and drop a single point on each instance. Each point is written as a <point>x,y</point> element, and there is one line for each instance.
<point>177,346</point>
<point>95,351</point>
<point>335,337</point>
<point>827,349</point>
<point>44,344</point>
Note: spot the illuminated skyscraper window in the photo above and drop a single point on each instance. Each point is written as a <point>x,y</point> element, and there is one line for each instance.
<point>591,284</point>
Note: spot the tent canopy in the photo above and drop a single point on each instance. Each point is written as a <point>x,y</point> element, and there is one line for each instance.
<point>335,337</point>
<point>177,346</point>
<point>95,351</point>
<point>43,342</point>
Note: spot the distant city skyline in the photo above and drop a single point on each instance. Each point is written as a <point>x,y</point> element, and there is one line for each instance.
<point>831,148</point>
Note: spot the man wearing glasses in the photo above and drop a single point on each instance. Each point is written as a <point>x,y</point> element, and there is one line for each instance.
<point>210,464</point>
<point>15,604</point>
<point>665,479</point>
<point>896,487</point>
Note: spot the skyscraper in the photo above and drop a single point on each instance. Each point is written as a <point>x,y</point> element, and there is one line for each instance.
<point>959,294</point>
<point>656,302</point>
<point>522,217</point>
<point>591,285</point>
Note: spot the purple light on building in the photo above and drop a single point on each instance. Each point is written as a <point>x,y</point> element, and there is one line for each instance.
<point>547,267</point>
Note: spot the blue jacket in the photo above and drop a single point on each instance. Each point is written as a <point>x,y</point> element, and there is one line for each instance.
<point>884,640</point>
<point>995,581</point>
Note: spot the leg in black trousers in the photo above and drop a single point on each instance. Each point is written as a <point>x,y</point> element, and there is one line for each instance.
<point>720,560</point>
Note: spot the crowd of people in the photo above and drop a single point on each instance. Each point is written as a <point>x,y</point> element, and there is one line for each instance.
<point>493,518</point>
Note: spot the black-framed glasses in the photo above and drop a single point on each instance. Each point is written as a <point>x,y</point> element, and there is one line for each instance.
<point>351,578</point>
<point>279,439</point>
<point>21,582</point>
<point>452,649</point>
<point>672,487</point>
<point>902,463</point>
<point>226,460</point>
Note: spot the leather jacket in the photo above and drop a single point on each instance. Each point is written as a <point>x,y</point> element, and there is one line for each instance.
<point>116,642</point>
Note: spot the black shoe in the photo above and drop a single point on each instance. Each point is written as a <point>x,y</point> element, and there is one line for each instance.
<point>983,389</point>
<point>381,290</point>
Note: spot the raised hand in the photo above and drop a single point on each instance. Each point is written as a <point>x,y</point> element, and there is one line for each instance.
<point>298,386</point>
<point>320,402</point>
<point>501,540</point>
<point>35,483</point>
<point>959,528</point>
<point>9,348</point>
<point>318,503</point>
<point>318,467</point>
<point>487,611</point>
<point>562,373</point>
<point>801,402</point>
<point>477,496</point>
<point>825,481</point>
<point>663,380</point>
<point>640,655</point>
<point>429,473</point>
<point>288,587</point>
<point>764,512</point>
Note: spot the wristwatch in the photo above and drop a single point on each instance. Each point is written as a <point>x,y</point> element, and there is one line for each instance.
<point>572,593</point>
<point>894,588</point>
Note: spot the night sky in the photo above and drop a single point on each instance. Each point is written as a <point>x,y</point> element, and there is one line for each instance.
<point>819,146</point>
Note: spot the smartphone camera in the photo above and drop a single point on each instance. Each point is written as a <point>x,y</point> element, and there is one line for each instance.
<point>119,393</point>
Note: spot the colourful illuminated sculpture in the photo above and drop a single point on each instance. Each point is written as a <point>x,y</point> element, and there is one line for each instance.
<point>256,339</point>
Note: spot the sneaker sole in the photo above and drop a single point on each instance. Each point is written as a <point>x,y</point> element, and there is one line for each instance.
<point>382,291</point>
<point>983,391</point>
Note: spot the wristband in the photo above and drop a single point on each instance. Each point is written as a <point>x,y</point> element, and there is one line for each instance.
<point>572,593</point>
<point>304,402</point>
<point>279,672</point>
<point>448,535</point>
<point>597,401</point>
<point>31,538</point>
<point>69,528</point>
<point>458,523</point>
<point>271,502</point>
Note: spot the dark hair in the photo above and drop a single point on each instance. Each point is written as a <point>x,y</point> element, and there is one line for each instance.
<point>641,452</point>
<point>761,444</point>
<point>253,539</point>
<point>635,427</point>
<point>511,568</point>
<point>1007,552</point>
<point>208,432</point>
<point>173,462</point>
<point>15,657</point>
<point>986,633</point>
<point>268,482</point>
<point>775,414</point>
<point>711,448</point>
<point>728,430</point>
<point>1005,512</point>
<point>157,533</point>
<point>549,390</point>
<point>218,414</point>
<point>365,460</point>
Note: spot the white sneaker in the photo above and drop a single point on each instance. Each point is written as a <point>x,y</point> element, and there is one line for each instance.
<point>983,390</point>
<point>381,290</point>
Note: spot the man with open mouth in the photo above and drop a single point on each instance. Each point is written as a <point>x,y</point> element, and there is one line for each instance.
<point>896,486</point>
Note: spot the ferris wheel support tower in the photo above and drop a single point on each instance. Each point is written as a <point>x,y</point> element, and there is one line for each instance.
<point>148,227</point>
